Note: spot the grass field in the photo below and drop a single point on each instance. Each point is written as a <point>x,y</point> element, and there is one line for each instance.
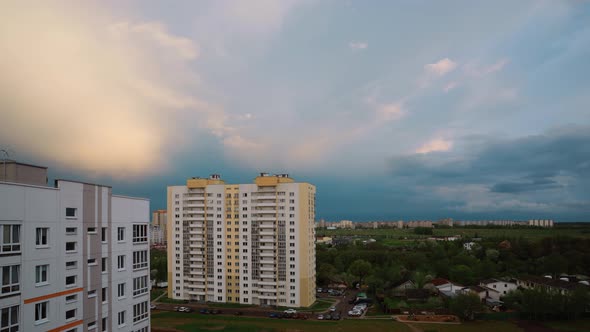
<point>582,325</point>
<point>398,237</point>
<point>196,322</point>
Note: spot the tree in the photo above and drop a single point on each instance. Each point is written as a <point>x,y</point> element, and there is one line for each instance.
<point>421,278</point>
<point>326,274</point>
<point>462,274</point>
<point>360,268</point>
<point>466,305</point>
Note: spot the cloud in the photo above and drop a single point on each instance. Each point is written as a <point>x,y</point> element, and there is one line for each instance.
<point>389,112</point>
<point>450,86</point>
<point>156,32</point>
<point>435,145</point>
<point>90,92</point>
<point>474,70</point>
<point>358,45</point>
<point>532,173</point>
<point>441,68</point>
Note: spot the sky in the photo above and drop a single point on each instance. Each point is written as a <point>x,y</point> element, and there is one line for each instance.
<point>393,109</point>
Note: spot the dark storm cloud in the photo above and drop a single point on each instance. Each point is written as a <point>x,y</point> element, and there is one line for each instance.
<point>550,169</point>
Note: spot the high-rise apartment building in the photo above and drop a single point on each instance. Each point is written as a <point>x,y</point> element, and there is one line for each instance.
<point>158,227</point>
<point>73,257</point>
<point>242,243</point>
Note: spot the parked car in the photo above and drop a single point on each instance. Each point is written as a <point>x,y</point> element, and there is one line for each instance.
<point>153,306</point>
<point>238,313</point>
<point>204,311</point>
<point>328,317</point>
<point>336,316</point>
<point>321,317</point>
<point>183,309</point>
<point>290,311</point>
<point>215,312</point>
<point>332,308</point>
<point>354,313</point>
<point>275,315</point>
<point>319,290</point>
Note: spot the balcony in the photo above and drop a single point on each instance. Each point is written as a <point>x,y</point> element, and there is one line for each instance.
<point>267,254</point>
<point>267,233</point>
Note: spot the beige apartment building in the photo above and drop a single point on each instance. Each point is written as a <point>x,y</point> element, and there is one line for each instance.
<point>242,243</point>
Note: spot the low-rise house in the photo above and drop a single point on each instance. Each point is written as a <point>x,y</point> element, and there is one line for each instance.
<point>498,288</point>
<point>480,291</point>
<point>400,289</point>
<point>446,287</point>
<point>548,284</point>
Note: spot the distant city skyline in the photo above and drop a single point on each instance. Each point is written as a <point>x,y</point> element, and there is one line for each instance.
<point>393,110</point>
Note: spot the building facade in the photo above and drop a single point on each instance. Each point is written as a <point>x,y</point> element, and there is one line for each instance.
<point>242,243</point>
<point>74,258</point>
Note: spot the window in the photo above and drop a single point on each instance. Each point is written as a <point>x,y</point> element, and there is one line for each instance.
<point>92,325</point>
<point>139,233</point>
<point>104,263</point>
<point>92,261</point>
<point>121,318</point>
<point>140,285</point>
<point>71,265</point>
<point>70,314</point>
<point>41,274</point>
<point>104,294</point>
<point>41,312</point>
<point>10,238</point>
<point>71,212</point>
<point>41,238</point>
<point>121,262</point>
<point>9,322</point>
<point>91,230</point>
<point>70,246</point>
<point>104,324</point>
<point>72,298</point>
<point>140,259</point>
<point>140,311</point>
<point>71,230</point>
<point>121,234</point>
<point>121,290</point>
<point>103,234</point>
<point>10,279</point>
<point>70,281</point>
<point>92,293</point>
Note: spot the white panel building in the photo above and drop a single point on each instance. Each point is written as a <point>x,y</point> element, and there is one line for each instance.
<point>73,258</point>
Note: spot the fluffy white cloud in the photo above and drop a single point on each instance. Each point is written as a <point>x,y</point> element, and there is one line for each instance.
<point>81,89</point>
<point>358,45</point>
<point>435,145</point>
<point>388,112</point>
<point>441,67</point>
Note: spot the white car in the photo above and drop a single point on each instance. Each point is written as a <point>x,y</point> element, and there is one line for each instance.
<point>354,313</point>
<point>290,311</point>
<point>332,309</point>
<point>320,317</point>
<point>184,309</point>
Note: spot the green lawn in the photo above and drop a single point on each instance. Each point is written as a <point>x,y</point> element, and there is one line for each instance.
<point>580,325</point>
<point>156,292</point>
<point>197,322</point>
<point>228,305</point>
<point>321,304</point>
<point>400,237</point>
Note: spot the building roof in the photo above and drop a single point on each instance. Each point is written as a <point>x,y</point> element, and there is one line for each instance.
<point>477,289</point>
<point>9,161</point>
<point>489,281</point>
<point>555,283</point>
<point>439,281</point>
